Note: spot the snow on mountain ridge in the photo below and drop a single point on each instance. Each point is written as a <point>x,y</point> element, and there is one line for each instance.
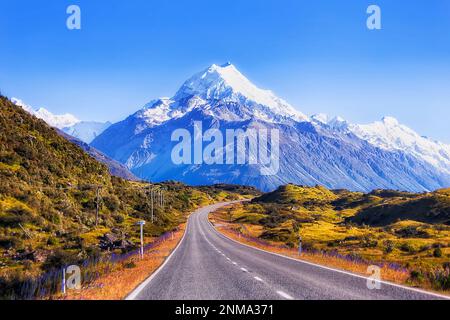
<point>389,134</point>
<point>214,91</point>
<point>57,121</point>
<point>86,131</point>
<point>227,84</point>
<point>316,150</point>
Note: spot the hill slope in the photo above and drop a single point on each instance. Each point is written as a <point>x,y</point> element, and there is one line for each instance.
<point>115,168</point>
<point>48,199</point>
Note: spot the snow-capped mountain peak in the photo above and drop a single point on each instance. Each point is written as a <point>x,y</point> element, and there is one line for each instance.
<point>389,134</point>
<point>86,131</point>
<point>390,121</point>
<point>327,150</point>
<point>225,83</point>
<point>337,123</point>
<point>57,121</point>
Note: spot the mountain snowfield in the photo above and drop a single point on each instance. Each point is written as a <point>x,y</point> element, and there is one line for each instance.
<point>389,134</point>
<point>86,131</point>
<point>313,150</point>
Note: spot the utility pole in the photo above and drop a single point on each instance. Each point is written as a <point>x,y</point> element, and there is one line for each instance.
<point>97,204</point>
<point>156,198</point>
<point>152,199</point>
<point>299,246</point>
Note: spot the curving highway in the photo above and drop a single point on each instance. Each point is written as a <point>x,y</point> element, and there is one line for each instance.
<point>208,266</point>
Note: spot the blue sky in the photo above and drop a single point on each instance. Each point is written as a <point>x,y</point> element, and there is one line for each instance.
<point>318,55</point>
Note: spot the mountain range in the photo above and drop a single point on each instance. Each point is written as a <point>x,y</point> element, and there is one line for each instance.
<point>85,131</point>
<point>313,150</point>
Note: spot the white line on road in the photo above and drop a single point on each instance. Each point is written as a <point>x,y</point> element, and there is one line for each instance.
<point>243,269</point>
<point>328,268</point>
<point>134,294</point>
<point>285,295</point>
<point>234,263</point>
<point>258,279</point>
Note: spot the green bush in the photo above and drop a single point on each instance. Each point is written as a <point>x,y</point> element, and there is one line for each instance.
<point>51,241</point>
<point>59,259</point>
<point>406,247</point>
<point>10,242</point>
<point>437,253</point>
<point>389,246</point>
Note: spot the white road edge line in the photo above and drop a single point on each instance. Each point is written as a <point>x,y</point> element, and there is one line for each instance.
<point>133,295</point>
<point>285,295</point>
<point>258,279</point>
<point>243,269</point>
<point>332,269</point>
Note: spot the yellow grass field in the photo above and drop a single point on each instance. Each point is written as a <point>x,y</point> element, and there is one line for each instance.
<point>126,276</point>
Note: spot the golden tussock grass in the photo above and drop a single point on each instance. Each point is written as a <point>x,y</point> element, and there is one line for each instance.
<point>126,276</point>
<point>387,274</point>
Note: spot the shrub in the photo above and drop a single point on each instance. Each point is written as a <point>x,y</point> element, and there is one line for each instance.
<point>440,279</point>
<point>51,241</point>
<point>406,247</point>
<point>15,216</point>
<point>437,253</point>
<point>10,242</point>
<point>388,246</point>
<point>416,275</point>
<point>119,218</point>
<point>59,259</point>
<point>130,265</point>
<point>111,202</point>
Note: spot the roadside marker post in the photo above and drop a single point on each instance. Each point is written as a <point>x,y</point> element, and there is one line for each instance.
<point>142,223</point>
<point>300,246</point>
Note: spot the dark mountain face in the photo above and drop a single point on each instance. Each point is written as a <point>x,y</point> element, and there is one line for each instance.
<point>307,157</point>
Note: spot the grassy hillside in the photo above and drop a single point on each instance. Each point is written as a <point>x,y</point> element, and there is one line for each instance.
<point>48,200</point>
<point>384,226</point>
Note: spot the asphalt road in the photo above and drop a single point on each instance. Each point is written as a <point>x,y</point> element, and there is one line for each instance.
<point>208,266</point>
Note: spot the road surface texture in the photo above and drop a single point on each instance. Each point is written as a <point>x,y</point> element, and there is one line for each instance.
<point>208,266</point>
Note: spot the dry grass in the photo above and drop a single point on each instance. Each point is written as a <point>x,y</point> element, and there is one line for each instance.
<point>126,276</point>
<point>231,230</point>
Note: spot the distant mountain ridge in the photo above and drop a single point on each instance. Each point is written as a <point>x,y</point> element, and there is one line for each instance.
<point>313,150</point>
<point>85,131</point>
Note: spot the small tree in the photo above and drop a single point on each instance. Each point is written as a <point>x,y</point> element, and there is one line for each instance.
<point>437,253</point>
